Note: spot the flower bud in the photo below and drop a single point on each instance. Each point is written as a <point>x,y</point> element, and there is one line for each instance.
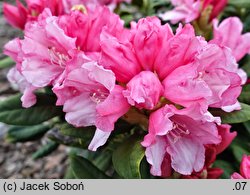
<point>144,90</point>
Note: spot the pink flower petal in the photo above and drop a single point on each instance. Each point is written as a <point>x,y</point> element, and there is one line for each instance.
<point>99,139</point>
<point>232,108</point>
<point>80,111</point>
<point>227,137</point>
<point>245,167</point>
<point>181,86</point>
<point>186,11</point>
<point>119,57</point>
<point>111,109</point>
<point>15,77</point>
<point>155,155</point>
<point>12,15</point>
<point>35,68</point>
<point>228,33</point>
<point>186,156</point>
<point>236,176</point>
<point>100,75</point>
<point>142,93</point>
<point>29,98</point>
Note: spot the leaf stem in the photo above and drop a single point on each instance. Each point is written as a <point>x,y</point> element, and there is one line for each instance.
<point>6,63</point>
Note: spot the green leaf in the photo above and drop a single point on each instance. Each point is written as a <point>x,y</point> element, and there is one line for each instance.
<point>23,134</point>
<point>6,62</point>
<point>127,19</point>
<point>145,169</point>
<point>83,132</point>
<point>84,169</point>
<point>241,144</point>
<point>47,149</point>
<point>246,65</point>
<point>226,167</point>
<point>245,94</point>
<point>238,151</point>
<point>156,3</point>
<point>81,137</point>
<point>84,135</point>
<point>69,174</point>
<point>247,29</point>
<point>103,160</point>
<point>56,135</point>
<point>240,3</point>
<point>247,126</point>
<point>239,116</point>
<point>12,112</point>
<point>246,88</point>
<point>127,158</point>
<point>245,97</point>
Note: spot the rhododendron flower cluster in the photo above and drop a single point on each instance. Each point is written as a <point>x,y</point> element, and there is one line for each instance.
<point>238,43</point>
<point>189,10</point>
<point>101,71</point>
<point>18,15</point>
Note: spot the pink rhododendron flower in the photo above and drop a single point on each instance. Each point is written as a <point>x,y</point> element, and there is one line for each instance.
<point>99,139</point>
<point>189,10</point>
<point>13,49</point>
<point>86,28</point>
<point>112,4</point>
<point>46,49</point>
<point>118,57</point>
<point>90,97</point>
<point>244,169</point>
<point>226,137</point>
<point>81,89</point>
<point>18,15</point>
<point>148,46</point>
<point>51,41</point>
<point>182,134</point>
<point>190,69</point>
<point>148,36</point>
<point>114,106</point>
<point>68,4</point>
<point>229,33</point>
<point>213,75</point>
<point>207,172</point>
<point>142,93</point>
<point>211,152</point>
<point>128,55</point>
<point>42,54</point>
<point>185,10</point>
<point>15,77</point>
<point>217,7</point>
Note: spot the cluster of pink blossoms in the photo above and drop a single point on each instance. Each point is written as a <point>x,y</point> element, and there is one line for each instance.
<point>18,15</point>
<point>189,10</point>
<point>100,70</point>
